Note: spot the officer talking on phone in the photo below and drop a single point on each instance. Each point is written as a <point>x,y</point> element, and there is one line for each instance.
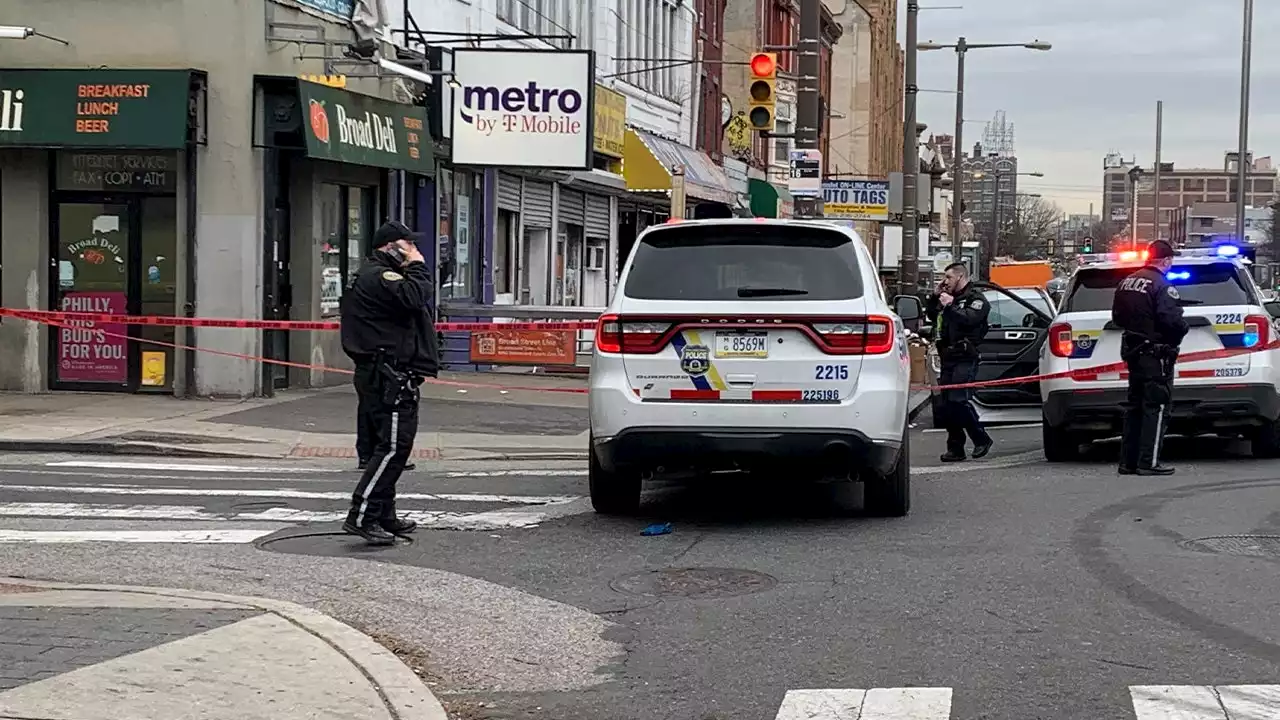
<point>959,315</point>
<point>1146,308</point>
<point>387,331</point>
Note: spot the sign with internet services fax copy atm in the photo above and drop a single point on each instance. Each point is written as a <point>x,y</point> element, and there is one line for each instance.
<point>856,199</point>
<point>524,108</point>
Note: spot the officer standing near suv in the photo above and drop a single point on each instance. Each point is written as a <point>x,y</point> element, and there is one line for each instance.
<point>1146,308</point>
<point>387,331</point>
<point>959,312</point>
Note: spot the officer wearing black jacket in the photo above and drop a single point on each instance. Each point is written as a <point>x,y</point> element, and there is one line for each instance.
<point>959,312</point>
<point>388,333</point>
<point>1146,308</point>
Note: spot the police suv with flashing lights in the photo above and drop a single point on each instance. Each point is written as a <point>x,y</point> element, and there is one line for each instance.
<point>750,344</point>
<point>1235,396</point>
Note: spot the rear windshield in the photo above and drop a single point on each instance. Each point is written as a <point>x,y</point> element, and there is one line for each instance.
<point>1216,284</point>
<point>1007,312</point>
<point>744,262</point>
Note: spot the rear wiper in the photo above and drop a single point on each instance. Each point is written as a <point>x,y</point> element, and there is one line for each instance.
<point>746,292</point>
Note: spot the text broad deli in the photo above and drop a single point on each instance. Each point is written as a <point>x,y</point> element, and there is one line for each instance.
<point>524,108</point>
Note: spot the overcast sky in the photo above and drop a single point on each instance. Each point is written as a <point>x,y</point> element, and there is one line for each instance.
<point>1096,90</point>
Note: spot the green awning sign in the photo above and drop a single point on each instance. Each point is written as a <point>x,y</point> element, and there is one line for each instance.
<point>361,129</point>
<point>95,108</point>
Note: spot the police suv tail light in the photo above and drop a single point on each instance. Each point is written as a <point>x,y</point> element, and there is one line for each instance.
<point>616,334</point>
<point>1257,330</point>
<point>871,335</point>
<point>1060,343</point>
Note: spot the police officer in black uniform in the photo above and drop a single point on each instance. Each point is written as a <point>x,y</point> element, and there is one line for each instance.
<point>1146,308</point>
<point>959,312</point>
<point>388,333</point>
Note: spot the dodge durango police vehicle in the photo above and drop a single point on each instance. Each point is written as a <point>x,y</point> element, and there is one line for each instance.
<point>1232,396</point>
<point>750,344</point>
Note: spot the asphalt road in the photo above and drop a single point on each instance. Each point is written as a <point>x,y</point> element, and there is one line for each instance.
<point>1028,591</point>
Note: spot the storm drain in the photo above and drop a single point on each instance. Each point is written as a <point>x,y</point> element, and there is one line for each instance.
<point>1266,546</point>
<point>696,583</point>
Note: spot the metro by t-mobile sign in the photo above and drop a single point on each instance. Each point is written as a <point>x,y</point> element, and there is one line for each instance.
<point>523,108</point>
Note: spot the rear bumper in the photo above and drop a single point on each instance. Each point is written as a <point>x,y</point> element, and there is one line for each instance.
<point>648,448</point>
<point>1195,408</point>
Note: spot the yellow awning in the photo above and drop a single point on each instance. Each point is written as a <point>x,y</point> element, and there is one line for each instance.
<point>646,166</point>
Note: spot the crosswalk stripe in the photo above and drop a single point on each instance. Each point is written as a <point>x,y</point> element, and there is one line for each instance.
<point>1206,702</point>
<point>289,493</point>
<point>121,465</point>
<point>874,704</point>
<point>194,537</point>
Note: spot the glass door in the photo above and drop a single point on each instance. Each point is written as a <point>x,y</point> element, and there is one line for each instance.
<point>94,263</point>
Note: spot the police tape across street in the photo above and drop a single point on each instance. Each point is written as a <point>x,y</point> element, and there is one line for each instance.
<point>70,319</point>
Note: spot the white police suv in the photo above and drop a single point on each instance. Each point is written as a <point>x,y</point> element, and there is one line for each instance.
<point>750,344</point>
<point>1235,396</point>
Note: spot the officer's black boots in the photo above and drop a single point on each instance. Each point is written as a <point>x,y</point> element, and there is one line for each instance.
<point>1157,471</point>
<point>396,525</point>
<point>372,533</point>
<point>951,456</point>
<point>980,451</point>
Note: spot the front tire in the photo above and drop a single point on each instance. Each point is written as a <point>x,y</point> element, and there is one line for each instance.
<point>1059,445</point>
<point>612,493</point>
<point>890,495</point>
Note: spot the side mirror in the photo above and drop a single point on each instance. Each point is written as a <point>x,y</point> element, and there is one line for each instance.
<point>908,307</point>
<point>1273,308</point>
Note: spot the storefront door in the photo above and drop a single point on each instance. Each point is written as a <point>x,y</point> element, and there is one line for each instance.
<point>115,255</point>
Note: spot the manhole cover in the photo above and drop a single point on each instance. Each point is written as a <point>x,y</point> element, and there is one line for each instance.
<point>697,583</point>
<point>1249,545</point>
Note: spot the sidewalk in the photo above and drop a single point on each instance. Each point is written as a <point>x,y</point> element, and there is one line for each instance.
<point>475,418</point>
<point>118,653</point>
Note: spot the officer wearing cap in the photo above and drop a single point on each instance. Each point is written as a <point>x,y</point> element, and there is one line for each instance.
<point>388,333</point>
<point>1146,308</point>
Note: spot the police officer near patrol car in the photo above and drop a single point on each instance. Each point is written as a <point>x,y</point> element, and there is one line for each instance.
<point>958,313</point>
<point>388,333</point>
<point>1146,308</point>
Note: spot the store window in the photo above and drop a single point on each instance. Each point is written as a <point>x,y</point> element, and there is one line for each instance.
<point>504,257</point>
<point>458,234</point>
<point>345,234</point>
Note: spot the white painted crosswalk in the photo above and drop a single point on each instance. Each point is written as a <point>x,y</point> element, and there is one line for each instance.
<point>1150,702</point>
<point>215,504</point>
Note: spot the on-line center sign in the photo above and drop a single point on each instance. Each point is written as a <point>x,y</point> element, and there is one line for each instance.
<point>524,108</point>
<point>856,199</point>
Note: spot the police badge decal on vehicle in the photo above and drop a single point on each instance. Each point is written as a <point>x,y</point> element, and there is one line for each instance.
<point>695,359</point>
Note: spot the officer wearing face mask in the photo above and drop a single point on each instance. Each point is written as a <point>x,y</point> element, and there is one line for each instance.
<point>387,331</point>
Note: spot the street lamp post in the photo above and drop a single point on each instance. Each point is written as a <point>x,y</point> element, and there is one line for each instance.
<point>1242,166</point>
<point>962,47</point>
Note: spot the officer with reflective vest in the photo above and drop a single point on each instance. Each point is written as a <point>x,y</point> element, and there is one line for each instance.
<point>959,315</point>
<point>1146,308</point>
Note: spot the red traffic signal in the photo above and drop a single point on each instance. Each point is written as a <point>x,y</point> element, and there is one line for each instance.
<point>764,65</point>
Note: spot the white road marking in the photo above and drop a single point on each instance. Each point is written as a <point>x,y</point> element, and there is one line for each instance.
<point>567,472</point>
<point>281,493</point>
<point>500,519</point>
<point>171,467</point>
<point>874,704</point>
<point>1007,461</point>
<point>993,428</point>
<point>199,537</point>
<point>1206,702</point>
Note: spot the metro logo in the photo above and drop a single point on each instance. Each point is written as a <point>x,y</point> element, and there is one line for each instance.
<point>531,98</point>
<point>11,110</point>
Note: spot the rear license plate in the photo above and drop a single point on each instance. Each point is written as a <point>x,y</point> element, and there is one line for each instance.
<point>742,345</point>
<point>1229,372</point>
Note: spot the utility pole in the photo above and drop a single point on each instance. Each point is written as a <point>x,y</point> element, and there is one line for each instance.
<point>1242,166</point>
<point>910,272</point>
<point>808,119</point>
<point>1159,142</point>
<point>957,153</point>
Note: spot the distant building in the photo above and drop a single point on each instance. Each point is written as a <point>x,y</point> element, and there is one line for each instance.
<point>1206,224</point>
<point>988,189</point>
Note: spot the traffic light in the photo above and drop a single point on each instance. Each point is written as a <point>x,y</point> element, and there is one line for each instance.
<point>1088,245</point>
<point>764,91</point>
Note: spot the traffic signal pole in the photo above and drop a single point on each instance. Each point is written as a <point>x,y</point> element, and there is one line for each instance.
<point>808,117</point>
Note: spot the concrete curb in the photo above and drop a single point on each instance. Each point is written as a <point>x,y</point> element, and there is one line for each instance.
<point>124,447</point>
<point>403,692</point>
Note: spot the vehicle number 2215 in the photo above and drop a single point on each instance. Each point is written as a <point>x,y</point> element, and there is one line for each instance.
<point>831,372</point>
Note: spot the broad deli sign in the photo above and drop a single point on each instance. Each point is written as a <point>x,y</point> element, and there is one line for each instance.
<point>524,108</point>
<point>364,130</point>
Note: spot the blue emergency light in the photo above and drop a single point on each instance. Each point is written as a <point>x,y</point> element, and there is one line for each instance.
<point>1176,275</point>
<point>1227,251</point>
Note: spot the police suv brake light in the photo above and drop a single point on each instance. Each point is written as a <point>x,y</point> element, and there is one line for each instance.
<point>1257,331</point>
<point>616,334</point>
<point>872,335</point>
<point>1060,343</point>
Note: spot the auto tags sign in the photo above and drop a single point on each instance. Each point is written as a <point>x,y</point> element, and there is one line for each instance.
<point>523,108</point>
<point>856,199</point>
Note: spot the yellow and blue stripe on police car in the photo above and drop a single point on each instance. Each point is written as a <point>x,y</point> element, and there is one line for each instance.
<point>696,360</point>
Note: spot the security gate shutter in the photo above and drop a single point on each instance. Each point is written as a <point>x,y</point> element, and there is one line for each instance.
<point>597,223</point>
<point>572,208</point>
<point>509,192</point>
<point>537,204</point>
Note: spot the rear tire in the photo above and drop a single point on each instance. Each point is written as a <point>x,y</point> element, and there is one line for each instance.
<point>1059,445</point>
<point>1266,442</point>
<point>612,493</point>
<point>890,495</point>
